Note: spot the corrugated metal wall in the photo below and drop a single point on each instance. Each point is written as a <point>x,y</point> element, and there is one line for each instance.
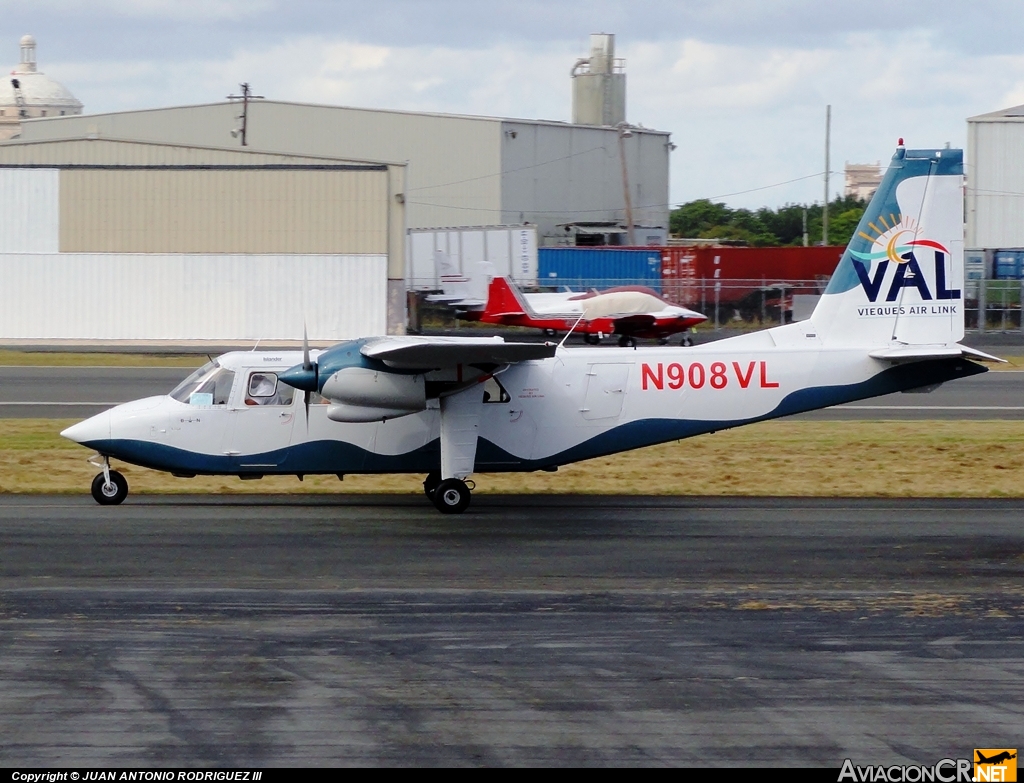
<point>122,152</point>
<point>454,179</point>
<point>72,296</point>
<point>585,268</point>
<point>567,173</point>
<point>29,218</point>
<point>995,183</point>
<point>223,210</point>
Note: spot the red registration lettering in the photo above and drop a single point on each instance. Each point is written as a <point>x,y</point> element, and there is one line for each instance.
<point>676,376</point>
<point>696,375</point>
<point>719,380</point>
<point>765,383</point>
<point>646,373</point>
<point>744,379</point>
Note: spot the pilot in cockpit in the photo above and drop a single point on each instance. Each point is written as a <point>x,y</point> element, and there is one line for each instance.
<point>263,389</point>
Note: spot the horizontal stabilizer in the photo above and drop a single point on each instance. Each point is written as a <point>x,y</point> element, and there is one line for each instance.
<point>919,353</point>
<point>422,353</point>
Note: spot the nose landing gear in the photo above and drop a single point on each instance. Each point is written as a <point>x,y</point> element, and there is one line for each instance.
<point>109,488</point>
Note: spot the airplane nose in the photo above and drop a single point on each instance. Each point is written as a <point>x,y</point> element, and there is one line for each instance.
<point>91,430</point>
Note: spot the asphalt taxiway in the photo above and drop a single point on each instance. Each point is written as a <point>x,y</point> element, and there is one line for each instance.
<point>321,630</point>
<point>79,392</point>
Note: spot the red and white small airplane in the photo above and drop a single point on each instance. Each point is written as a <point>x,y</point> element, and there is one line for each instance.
<point>630,312</point>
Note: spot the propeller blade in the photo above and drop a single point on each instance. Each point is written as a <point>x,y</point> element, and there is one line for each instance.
<point>305,402</point>
<point>306,363</point>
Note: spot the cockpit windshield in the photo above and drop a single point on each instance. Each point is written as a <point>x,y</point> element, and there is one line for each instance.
<point>209,385</point>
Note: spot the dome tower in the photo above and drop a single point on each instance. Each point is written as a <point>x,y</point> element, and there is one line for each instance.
<point>28,93</point>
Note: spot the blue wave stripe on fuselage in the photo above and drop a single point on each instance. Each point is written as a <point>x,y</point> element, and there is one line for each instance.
<point>330,456</point>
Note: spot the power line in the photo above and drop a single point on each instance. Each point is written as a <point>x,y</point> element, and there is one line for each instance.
<point>767,187</point>
<point>671,205</point>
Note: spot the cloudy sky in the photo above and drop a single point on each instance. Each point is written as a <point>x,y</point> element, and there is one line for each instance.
<point>741,84</point>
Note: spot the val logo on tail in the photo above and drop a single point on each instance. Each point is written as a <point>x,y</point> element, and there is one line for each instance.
<point>448,407</point>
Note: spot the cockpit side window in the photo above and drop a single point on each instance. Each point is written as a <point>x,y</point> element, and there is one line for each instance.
<point>494,392</point>
<point>263,389</point>
<point>209,385</point>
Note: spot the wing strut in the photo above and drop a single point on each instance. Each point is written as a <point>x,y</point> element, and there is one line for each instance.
<point>460,425</point>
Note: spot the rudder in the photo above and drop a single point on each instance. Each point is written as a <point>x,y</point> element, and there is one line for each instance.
<point>900,280</point>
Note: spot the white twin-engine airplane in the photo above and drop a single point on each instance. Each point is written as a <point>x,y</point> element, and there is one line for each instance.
<point>890,320</point>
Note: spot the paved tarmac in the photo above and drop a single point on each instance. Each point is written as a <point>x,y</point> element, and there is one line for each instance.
<point>79,392</point>
<point>621,630</point>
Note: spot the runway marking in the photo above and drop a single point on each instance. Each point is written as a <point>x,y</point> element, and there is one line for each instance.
<point>61,403</point>
<point>931,407</point>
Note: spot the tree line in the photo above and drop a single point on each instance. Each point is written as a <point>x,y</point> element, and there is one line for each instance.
<point>704,219</point>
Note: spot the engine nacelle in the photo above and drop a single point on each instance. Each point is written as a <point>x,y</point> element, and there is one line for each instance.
<point>359,394</point>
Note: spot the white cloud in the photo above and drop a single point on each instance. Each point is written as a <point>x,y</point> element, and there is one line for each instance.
<point>167,10</point>
<point>743,115</point>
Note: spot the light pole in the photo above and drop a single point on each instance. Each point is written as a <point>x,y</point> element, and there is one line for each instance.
<point>624,133</point>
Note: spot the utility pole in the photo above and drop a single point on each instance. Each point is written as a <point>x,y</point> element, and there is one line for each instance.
<point>805,226</point>
<point>824,214</point>
<point>625,132</point>
<point>245,97</point>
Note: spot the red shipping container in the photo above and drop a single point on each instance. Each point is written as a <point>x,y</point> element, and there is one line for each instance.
<point>690,275</point>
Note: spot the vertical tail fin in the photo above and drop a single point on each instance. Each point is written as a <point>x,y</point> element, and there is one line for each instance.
<point>471,289</point>
<point>504,298</point>
<point>900,281</point>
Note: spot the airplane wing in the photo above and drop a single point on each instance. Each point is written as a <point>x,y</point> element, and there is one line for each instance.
<point>414,353</point>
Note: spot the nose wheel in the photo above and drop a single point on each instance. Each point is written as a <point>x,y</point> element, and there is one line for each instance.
<point>451,496</point>
<point>109,488</point>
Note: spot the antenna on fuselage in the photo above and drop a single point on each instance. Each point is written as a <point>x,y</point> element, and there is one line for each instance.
<point>571,330</point>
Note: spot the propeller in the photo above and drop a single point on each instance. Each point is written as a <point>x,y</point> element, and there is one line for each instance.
<point>305,377</point>
<point>307,366</point>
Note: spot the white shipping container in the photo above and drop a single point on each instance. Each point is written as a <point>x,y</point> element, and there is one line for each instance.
<point>512,250</point>
<point>101,296</point>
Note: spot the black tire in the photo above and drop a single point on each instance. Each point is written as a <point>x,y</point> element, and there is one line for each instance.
<point>451,496</point>
<point>112,494</point>
<point>430,483</point>
<point>626,341</point>
<point>592,339</point>
<point>550,333</point>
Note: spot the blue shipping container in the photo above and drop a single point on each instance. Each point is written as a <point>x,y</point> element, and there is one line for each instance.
<point>584,268</point>
<point>1008,264</point>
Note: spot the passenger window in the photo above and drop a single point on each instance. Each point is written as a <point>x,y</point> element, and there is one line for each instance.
<point>263,389</point>
<point>494,392</point>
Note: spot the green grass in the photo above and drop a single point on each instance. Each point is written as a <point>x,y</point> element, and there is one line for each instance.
<point>11,358</point>
<point>780,458</point>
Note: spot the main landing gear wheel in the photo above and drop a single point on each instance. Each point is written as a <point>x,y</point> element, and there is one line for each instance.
<point>592,339</point>
<point>627,341</point>
<point>451,496</point>
<point>430,483</point>
<point>110,493</point>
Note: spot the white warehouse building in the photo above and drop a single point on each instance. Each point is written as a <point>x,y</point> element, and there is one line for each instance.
<point>169,210</point>
<point>995,192</point>
<point>564,178</point>
<point>128,242</point>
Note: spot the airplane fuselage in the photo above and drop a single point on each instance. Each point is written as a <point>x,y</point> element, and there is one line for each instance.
<point>583,403</point>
